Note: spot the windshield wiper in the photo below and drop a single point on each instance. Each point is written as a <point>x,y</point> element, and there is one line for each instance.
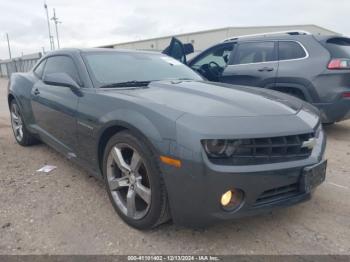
<point>126,84</point>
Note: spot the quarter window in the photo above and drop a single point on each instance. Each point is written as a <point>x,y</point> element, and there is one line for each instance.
<point>254,52</point>
<point>62,64</point>
<point>290,50</point>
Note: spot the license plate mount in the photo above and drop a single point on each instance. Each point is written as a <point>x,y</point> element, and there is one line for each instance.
<point>313,176</point>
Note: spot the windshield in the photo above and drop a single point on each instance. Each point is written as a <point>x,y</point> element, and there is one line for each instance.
<point>116,67</point>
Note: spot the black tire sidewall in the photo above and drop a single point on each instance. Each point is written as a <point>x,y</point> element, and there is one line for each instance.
<point>157,194</point>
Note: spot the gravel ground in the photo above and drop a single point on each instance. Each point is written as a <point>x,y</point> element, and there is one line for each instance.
<point>68,212</point>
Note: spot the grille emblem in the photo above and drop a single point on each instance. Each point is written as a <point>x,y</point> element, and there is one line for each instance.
<point>309,143</point>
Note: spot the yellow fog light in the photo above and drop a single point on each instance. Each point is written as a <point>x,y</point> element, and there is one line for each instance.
<point>232,199</point>
<point>226,198</point>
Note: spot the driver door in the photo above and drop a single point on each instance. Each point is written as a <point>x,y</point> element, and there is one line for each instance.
<point>178,50</point>
<point>54,107</point>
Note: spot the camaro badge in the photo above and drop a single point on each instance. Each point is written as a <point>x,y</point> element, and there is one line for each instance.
<point>309,143</point>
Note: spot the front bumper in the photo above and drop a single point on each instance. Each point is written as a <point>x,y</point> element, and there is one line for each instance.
<point>195,189</point>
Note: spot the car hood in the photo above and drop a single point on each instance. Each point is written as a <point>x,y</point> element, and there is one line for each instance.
<point>217,99</point>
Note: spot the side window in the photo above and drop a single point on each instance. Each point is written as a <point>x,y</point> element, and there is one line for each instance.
<point>62,64</point>
<point>254,52</point>
<point>219,55</point>
<point>38,71</point>
<point>290,50</point>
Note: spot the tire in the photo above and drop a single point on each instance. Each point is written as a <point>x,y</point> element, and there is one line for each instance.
<point>134,180</point>
<point>328,124</point>
<point>21,133</point>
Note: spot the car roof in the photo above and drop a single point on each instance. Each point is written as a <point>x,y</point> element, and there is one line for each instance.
<point>269,37</point>
<point>96,50</point>
<point>282,36</point>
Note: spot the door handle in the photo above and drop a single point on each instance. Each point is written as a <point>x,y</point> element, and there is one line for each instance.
<point>36,92</point>
<point>268,69</point>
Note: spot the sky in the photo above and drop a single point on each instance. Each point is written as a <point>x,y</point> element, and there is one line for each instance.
<point>101,22</point>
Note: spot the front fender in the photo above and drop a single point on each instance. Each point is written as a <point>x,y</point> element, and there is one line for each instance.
<point>154,128</point>
<point>157,131</point>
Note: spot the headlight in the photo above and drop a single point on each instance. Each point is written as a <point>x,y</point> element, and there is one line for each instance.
<point>318,130</point>
<point>215,147</point>
<point>220,147</point>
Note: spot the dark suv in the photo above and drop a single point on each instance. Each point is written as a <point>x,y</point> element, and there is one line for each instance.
<point>313,68</point>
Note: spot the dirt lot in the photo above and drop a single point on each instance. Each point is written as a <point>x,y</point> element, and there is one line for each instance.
<point>68,212</point>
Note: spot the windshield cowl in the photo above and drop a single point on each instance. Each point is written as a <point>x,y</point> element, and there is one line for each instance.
<point>126,84</point>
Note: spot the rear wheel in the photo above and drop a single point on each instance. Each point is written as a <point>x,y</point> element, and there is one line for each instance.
<point>133,181</point>
<point>22,135</point>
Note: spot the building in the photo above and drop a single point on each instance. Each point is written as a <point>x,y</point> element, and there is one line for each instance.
<point>18,64</point>
<point>203,39</point>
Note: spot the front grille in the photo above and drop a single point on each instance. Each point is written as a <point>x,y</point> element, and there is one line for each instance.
<point>277,194</point>
<point>267,150</point>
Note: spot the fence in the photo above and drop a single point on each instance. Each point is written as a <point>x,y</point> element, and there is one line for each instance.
<point>18,64</point>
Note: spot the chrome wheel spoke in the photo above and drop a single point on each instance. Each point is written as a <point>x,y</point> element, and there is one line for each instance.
<point>15,111</point>
<point>20,132</point>
<point>143,192</point>
<point>17,125</point>
<point>14,117</point>
<point>118,183</point>
<point>135,161</point>
<point>130,203</point>
<point>119,159</point>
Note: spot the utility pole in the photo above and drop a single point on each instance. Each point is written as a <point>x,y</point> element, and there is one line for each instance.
<point>52,43</point>
<point>8,44</point>
<point>56,21</point>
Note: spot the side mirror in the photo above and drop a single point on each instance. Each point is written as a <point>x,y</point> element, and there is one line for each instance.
<point>60,79</point>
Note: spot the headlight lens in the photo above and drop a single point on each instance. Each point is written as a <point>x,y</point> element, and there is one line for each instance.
<point>215,147</point>
<point>218,148</point>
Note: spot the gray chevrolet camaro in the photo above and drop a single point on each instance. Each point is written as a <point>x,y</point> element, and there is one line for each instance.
<point>166,143</point>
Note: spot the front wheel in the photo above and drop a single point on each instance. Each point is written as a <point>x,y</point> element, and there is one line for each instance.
<point>22,135</point>
<point>133,181</point>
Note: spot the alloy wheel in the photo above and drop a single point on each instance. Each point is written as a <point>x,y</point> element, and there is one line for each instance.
<point>128,181</point>
<point>16,121</point>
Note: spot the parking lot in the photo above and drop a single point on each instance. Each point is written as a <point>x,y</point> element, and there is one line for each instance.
<point>68,212</point>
